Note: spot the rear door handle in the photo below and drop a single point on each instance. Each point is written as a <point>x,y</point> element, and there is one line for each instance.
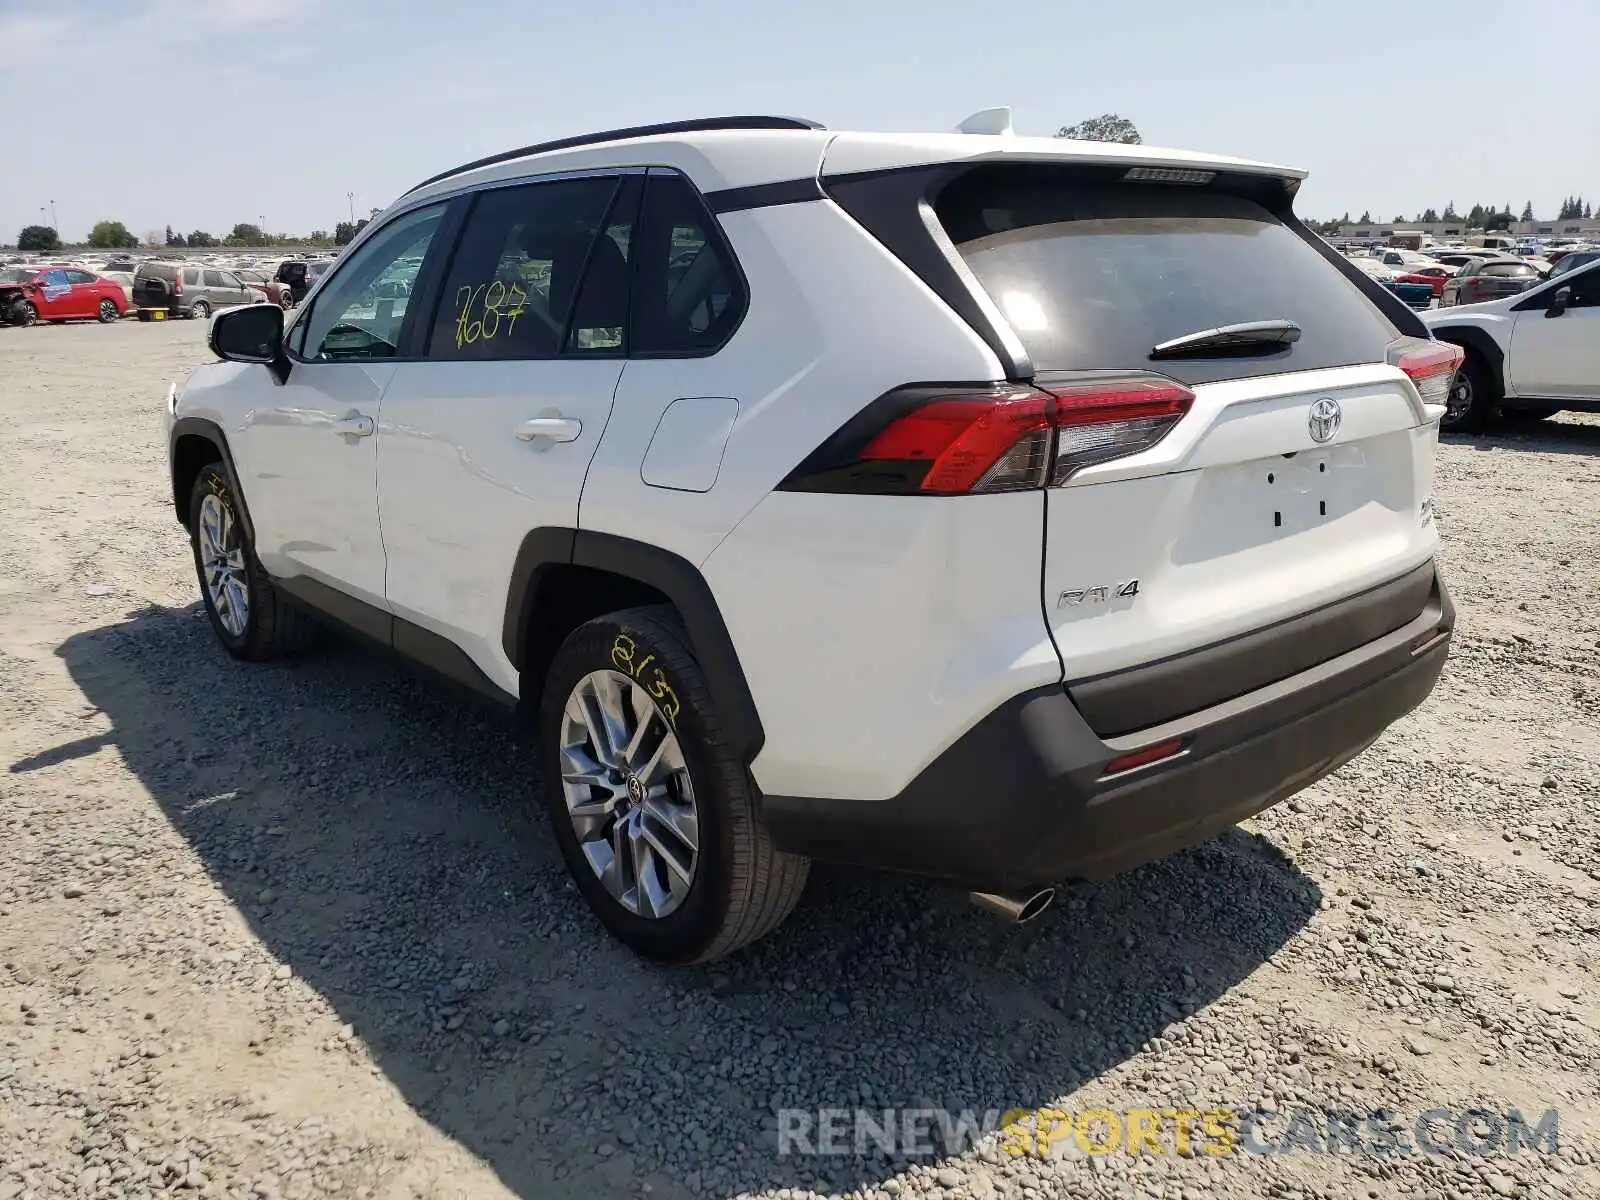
<point>557,429</point>
<point>354,426</point>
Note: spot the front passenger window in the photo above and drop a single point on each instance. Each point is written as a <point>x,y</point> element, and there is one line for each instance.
<point>360,313</point>
<point>514,284</point>
<point>1585,285</point>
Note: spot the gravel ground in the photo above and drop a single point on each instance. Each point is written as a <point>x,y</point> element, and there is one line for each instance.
<point>299,930</point>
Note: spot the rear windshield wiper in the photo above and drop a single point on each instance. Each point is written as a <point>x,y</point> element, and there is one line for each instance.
<point>1243,338</point>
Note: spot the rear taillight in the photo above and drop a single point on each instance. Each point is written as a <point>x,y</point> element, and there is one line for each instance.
<point>1431,366</point>
<point>177,285</point>
<point>947,441</point>
<point>1104,418</point>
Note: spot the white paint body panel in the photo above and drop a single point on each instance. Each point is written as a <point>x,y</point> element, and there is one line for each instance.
<point>1557,357</point>
<point>459,490</point>
<point>875,630</point>
<point>312,492</point>
<point>685,452</point>
<point>800,365</point>
<point>1195,520</point>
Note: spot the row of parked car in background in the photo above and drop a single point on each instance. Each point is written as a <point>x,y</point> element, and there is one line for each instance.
<point>153,287</point>
<point>1440,275</point>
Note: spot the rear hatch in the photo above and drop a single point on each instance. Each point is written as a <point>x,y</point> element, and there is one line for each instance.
<point>153,285</point>
<point>1214,490</point>
<point>1495,280</point>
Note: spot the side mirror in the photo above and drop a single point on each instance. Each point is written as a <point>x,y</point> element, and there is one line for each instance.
<point>252,334</point>
<point>1559,302</point>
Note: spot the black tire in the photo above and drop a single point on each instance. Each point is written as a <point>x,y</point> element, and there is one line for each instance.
<point>108,312</point>
<point>199,310</point>
<point>1532,412</point>
<point>743,887</point>
<point>23,313</point>
<point>275,627</point>
<point>1473,398</point>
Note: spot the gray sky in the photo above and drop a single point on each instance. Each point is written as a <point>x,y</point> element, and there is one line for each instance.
<point>203,113</point>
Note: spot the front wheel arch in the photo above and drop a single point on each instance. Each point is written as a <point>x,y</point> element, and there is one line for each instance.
<point>195,442</point>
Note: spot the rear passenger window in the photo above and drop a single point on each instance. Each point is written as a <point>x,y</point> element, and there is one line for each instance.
<point>191,276</point>
<point>514,286</point>
<point>688,295</point>
<point>214,279</point>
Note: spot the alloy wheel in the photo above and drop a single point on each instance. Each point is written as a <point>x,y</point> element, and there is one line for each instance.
<point>628,794</point>
<point>1459,403</point>
<point>222,563</point>
<point>108,311</point>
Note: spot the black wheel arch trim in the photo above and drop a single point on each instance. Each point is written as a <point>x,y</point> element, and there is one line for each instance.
<point>1473,338</point>
<point>211,432</point>
<point>680,581</point>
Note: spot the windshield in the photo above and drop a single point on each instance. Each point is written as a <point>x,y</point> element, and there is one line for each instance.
<point>1092,275</point>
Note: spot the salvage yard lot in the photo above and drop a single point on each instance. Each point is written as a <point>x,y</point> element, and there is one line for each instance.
<point>299,929</point>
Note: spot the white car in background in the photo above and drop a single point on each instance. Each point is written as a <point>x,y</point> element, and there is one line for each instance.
<point>1529,355</point>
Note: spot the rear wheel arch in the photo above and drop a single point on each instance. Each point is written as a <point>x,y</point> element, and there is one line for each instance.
<point>195,442</point>
<point>563,578</point>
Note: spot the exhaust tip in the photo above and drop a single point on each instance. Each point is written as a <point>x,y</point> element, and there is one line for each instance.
<point>1016,909</point>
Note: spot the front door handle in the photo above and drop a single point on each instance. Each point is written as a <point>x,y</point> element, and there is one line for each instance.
<point>557,429</point>
<point>354,426</point>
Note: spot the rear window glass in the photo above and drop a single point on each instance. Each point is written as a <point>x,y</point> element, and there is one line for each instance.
<point>1092,275</point>
<point>1506,269</point>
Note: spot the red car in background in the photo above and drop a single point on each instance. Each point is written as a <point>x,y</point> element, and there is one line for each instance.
<point>1434,277</point>
<point>32,294</point>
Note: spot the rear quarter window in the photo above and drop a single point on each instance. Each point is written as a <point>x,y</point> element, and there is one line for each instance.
<point>1092,275</point>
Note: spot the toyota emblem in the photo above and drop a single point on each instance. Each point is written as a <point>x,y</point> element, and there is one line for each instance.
<point>1324,419</point>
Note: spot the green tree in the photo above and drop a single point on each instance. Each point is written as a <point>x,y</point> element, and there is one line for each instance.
<point>201,240</point>
<point>38,238</point>
<point>1527,211</point>
<point>246,235</point>
<point>174,239</point>
<point>1366,218</point>
<point>1499,220</point>
<point>1429,217</point>
<point>344,232</point>
<point>1588,213</point>
<point>1108,127</point>
<point>112,235</point>
<point>1450,213</point>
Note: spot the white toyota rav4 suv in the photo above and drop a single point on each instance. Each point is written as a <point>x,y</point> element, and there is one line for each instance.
<point>1530,355</point>
<point>991,509</point>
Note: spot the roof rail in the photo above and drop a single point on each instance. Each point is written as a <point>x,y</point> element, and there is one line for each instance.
<point>697,125</point>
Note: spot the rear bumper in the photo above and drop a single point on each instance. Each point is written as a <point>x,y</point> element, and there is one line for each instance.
<point>1019,800</point>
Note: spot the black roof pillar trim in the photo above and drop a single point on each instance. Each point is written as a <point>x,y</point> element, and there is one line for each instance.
<point>765,195</point>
